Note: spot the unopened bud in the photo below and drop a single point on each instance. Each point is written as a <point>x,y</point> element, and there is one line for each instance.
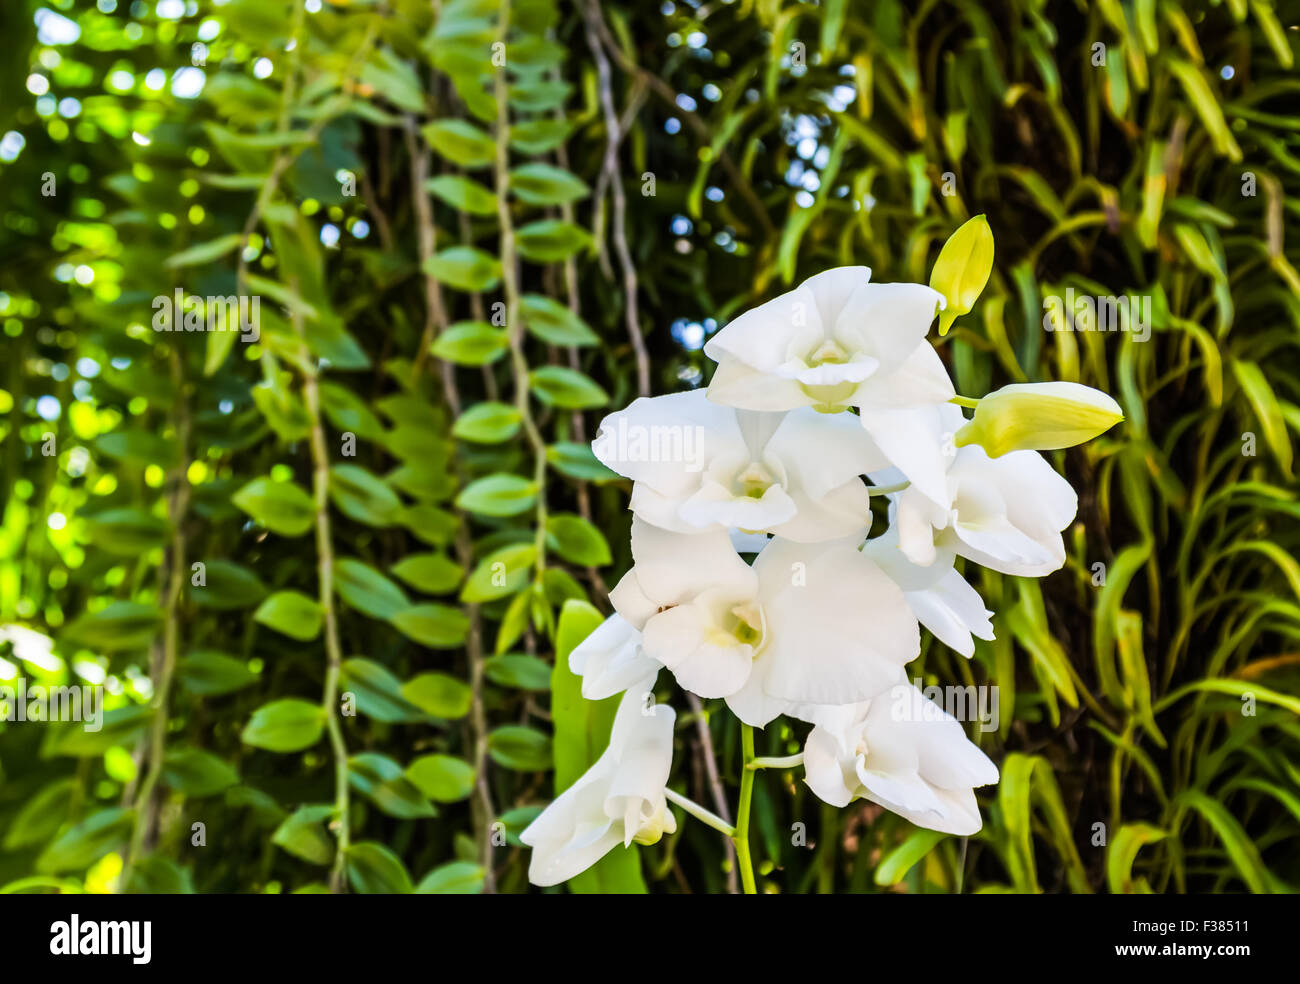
<point>1039,417</point>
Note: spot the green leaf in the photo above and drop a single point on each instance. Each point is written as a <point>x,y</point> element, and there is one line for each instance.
<point>577,461</point>
<point>464,268</point>
<point>518,747</point>
<point>577,540</point>
<point>381,780</point>
<point>439,695</point>
<point>554,323</point>
<point>120,726</point>
<point>156,875</point>
<point>139,447</point>
<point>291,613</point>
<point>228,586</point>
<point>282,507</point>
<point>452,878</point>
<point>443,778</point>
<point>304,836</point>
<point>1242,851</point>
<point>1265,404</point>
<point>82,845</point>
<point>471,343</point>
<point>1122,852</point>
<point>362,496</point>
<point>348,412</point>
<point>378,692</point>
<point>435,626</point>
<point>287,725</point>
<point>429,524</point>
<point>205,253</point>
<point>463,193</point>
<point>543,184</point>
<point>962,269</point>
<point>119,626</point>
<point>367,590</point>
<point>894,867</point>
<point>432,573</point>
<point>375,870</point>
<point>500,574</point>
<point>539,136</point>
<point>487,423</point>
<point>41,815</point>
<point>127,532</point>
<point>551,240</point>
<point>570,389</point>
<point>1201,96</point>
<point>197,773</point>
<point>498,495</point>
<point>460,142</point>
<point>524,672</point>
<point>211,674</point>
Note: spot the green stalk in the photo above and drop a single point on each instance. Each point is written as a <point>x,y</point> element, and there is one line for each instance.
<point>741,837</point>
<point>707,817</point>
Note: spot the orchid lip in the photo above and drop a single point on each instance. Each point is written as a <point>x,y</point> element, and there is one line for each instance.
<point>833,394</point>
<point>652,828</point>
<point>754,481</point>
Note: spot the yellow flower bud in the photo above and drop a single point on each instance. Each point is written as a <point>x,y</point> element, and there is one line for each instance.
<point>1039,417</point>
<point>962,269</point>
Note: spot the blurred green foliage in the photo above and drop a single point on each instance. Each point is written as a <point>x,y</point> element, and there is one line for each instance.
<point>475,226</point>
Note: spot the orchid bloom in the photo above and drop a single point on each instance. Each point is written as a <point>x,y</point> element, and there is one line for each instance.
<point>813,623</point>
<point>1005,513</point>
<point>827,383</point>
<point>902,751</point>
<point>620,799</point>
<point>838,341</point>
<point>611,659</point>
<point>938,595</point>
<point>698,466</point>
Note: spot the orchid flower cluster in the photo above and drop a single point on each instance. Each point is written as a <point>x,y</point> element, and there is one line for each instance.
<point>830,382</point>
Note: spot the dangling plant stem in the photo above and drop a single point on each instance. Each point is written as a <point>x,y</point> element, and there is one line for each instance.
<point>325,577</point>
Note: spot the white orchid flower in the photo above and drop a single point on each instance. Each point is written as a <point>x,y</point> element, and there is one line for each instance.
<point>810,623</point>
<point>620,799</point>
<point>611,659</point>
<point>903,752</point>
<point>700,466</point>
<point>839,341</point>
<point>1006,513</point>
<point>938,595</point>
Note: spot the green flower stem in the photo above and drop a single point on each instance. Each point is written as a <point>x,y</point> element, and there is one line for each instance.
<point>788,762</point>
<point>700,813</point>
<point>741,837</point>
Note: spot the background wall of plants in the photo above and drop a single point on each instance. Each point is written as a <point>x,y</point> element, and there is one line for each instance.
<point>477,226</point>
